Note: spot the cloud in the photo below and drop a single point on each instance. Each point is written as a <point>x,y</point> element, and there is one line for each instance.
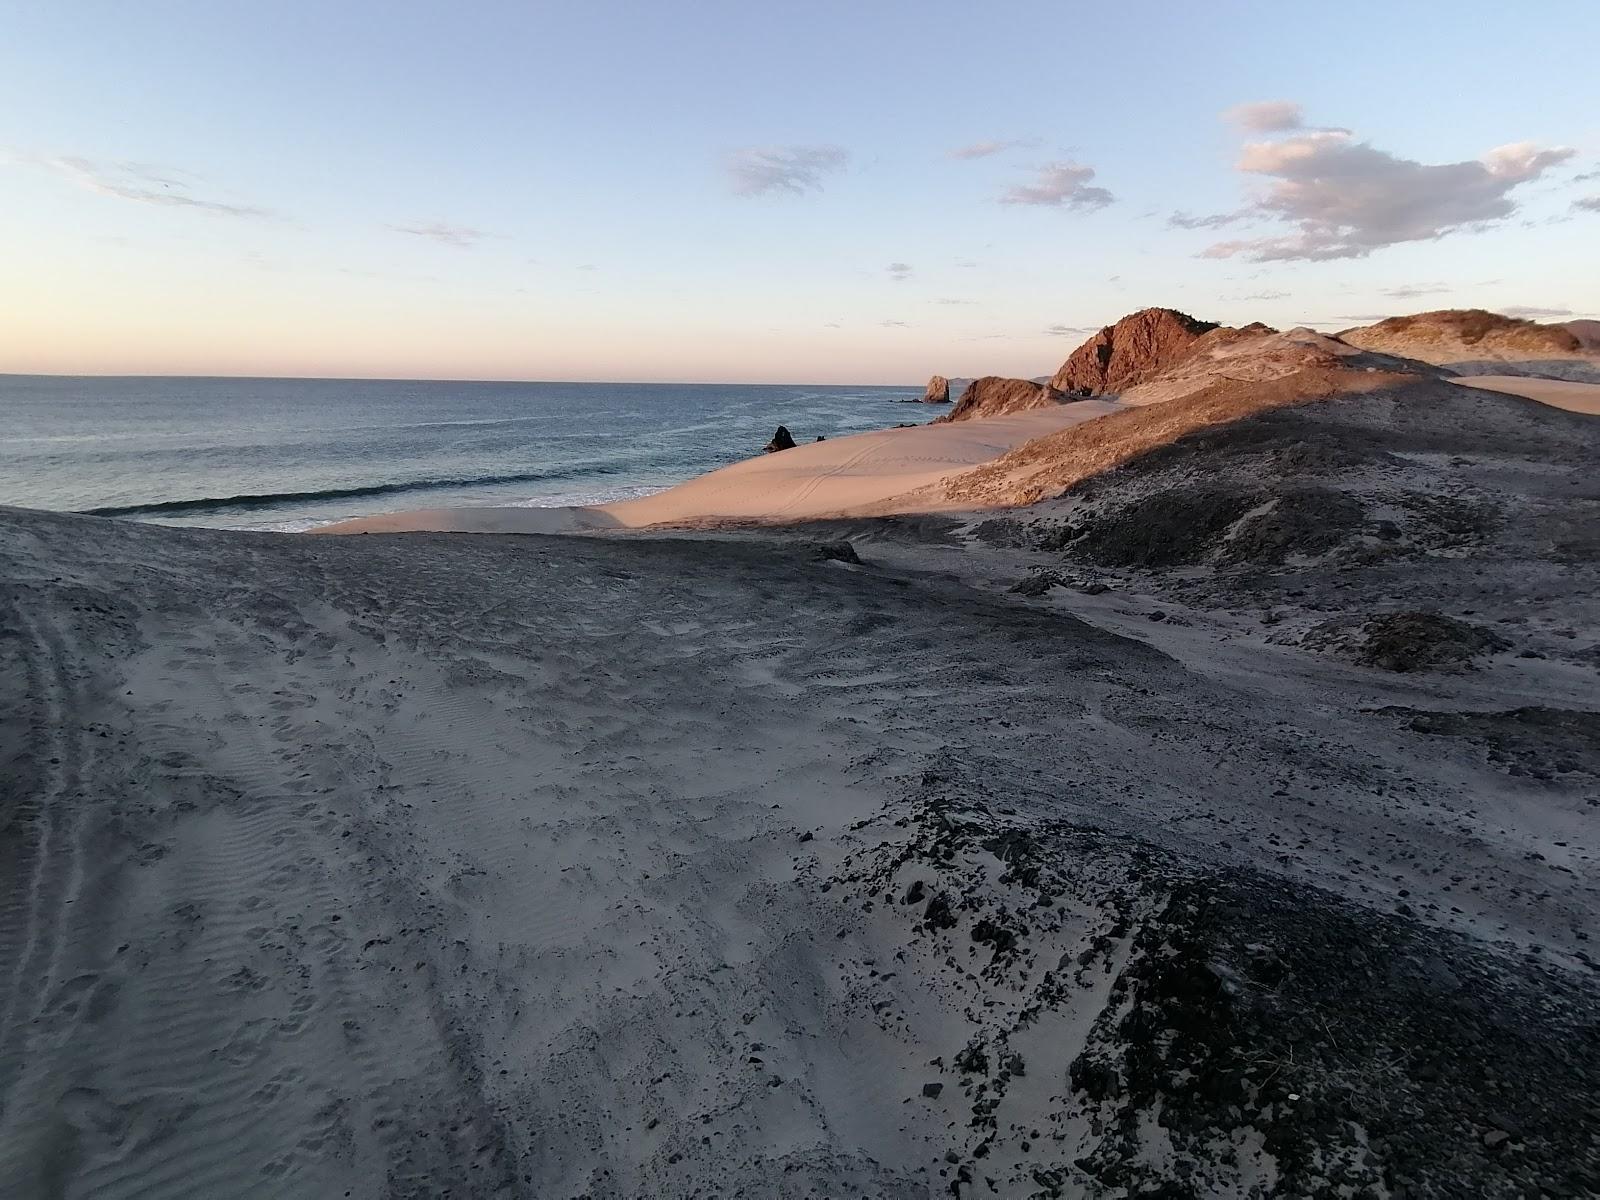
<point>899,271</point>
<point>1411,290</point>
<point>1588,203</point>
<point>1346,199</point>
<point>1266,116</point>
<point>143,184</point>
<point>983,149</point>
<point>895,325</point>
<point>463,237</point>
<point>1265,296</point>
<point>795,170</point>
<point>1067,331</point>
<point>1366,318</point>
<point>1182,220</point>
<point>1530,312</point>
<point>961,303</point>
<point>1060,185</point>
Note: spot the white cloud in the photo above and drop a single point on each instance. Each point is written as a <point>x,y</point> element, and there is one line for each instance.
<point>899,271</point>
<point>462,237</point>
<point>1411,290</point>
<point>1060,185</point>
<point>1182,220</point>
<point>1266,116</point>
<point>1588,203</point>
<point>1346,199</point>
<point>983,149</point>
<point>143,184</point>
<point>795,170</point>
<point>1533,313</point>
<point>1067,331</point>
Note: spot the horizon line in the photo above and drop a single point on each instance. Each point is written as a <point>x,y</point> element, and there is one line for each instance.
<point>442,379</point>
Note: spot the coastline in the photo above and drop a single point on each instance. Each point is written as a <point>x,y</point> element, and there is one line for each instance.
<point>837,477</point>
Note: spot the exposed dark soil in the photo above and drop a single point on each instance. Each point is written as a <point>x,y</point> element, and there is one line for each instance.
<point>1534,740</point>
<point>1406,641</point>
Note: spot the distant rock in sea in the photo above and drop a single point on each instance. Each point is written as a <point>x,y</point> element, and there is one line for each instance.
<point>996,396</point>
<point>938,391</point>
<point>782,440</point>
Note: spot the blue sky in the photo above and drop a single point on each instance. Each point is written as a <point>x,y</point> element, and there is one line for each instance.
<point>763,192</point>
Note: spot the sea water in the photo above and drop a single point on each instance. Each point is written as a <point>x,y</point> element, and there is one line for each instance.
<point>289,454</point>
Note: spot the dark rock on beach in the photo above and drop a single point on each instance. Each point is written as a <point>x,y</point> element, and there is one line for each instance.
<point>782,440</point>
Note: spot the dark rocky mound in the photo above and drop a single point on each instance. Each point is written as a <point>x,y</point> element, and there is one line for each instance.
<point>938,391</point>
<point>1406,641</point>
<point>1037,583</point>
<point>1230,1014</point>
<point>837,550</point>
<point>1534,740</point>
<point>782,440</point>
<point>1135,349</point>
<point>1204,522</point>
<point>996,396</point>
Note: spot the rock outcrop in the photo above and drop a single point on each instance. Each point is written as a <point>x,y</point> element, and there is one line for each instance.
<point>938,391</point>
<point>782,440</point>
<point>1451,336</point>
<point>997,396</point>
<point>1587,333</point>
<point>1138,347</point>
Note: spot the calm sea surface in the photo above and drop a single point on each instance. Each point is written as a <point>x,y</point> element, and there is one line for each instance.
<point>292,453</point>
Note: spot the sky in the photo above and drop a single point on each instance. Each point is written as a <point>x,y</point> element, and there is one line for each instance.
<point>820,192</point>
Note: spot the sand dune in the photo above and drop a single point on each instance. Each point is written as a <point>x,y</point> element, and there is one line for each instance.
<point>1558,393</point>
<point>537,867</point>
<point>812,480</point>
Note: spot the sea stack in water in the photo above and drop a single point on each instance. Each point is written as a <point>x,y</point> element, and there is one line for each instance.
<point>782,440</point>
<point>938,391</point>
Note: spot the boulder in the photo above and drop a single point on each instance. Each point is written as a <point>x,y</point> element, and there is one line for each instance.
<point>782,440</point>
<point>1138,347</point>
<point>938,391</point>
<point>839,550</point>
<point>995,395</point>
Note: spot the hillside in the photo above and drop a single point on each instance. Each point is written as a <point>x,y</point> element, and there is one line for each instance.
<point>1476,342</point>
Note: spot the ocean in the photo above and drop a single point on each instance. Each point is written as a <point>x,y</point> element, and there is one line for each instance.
<point>290,454</point>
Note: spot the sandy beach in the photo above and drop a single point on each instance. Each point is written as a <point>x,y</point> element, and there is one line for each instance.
<point>1558,393</point>
<point>816,479</point>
